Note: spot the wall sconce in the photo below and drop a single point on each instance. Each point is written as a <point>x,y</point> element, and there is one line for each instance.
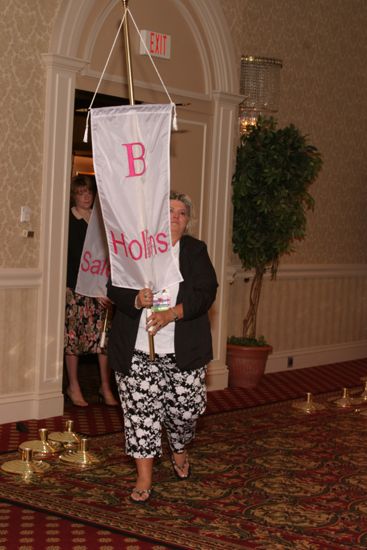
<point>259,83</point>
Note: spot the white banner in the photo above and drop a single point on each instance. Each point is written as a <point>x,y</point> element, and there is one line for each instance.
<point>94,268</point>
<point>131,146</point>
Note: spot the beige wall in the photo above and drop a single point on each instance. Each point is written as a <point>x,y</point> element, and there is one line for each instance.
<point>323,90</point>
<point>316,311</point>
<point>323,45</point>
<point>25,29</point>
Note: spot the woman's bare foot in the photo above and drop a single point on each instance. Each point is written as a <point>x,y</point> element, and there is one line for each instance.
<point>76,398</point>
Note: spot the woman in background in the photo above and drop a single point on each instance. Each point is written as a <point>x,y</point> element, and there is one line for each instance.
<point>169,391</point>
<point>84,316</point>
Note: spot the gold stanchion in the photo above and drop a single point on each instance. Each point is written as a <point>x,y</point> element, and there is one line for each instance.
<point>363,395</point>
<point>68,438</point>
<point>345,400</point>
<point>308,406</point>
<point>82,457</point>
<point>361,399</point>
<point>26,466</point>
<point>41,448</point>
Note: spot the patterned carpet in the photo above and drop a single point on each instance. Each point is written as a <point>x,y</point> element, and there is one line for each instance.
<point>264,476</point>
<point>40,531</point>
<point>267,477</point>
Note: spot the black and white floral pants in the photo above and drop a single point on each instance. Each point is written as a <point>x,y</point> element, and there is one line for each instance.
<point>157,394</point>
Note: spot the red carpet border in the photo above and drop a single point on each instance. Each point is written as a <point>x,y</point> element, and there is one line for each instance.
<point>289,384</point>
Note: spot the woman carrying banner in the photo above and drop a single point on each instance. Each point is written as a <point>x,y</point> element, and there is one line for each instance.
<point>169,391</point>
<point>83,315</point>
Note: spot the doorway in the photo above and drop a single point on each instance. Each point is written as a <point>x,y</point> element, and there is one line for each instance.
<point>72,63</point>
<point>82,161</point>
<point>82,164</point>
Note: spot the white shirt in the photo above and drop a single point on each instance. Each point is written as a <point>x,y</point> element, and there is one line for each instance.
<point>165,299</point>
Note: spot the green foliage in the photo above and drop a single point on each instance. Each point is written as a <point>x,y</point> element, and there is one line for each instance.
<point>274,170</point>
<point>240,341</point>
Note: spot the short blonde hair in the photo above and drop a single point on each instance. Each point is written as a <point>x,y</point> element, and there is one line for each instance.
<point>186,200</point>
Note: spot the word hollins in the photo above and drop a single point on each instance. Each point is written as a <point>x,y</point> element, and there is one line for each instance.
<point>144,247</point>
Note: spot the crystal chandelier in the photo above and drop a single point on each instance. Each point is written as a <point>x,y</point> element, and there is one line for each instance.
<point>259,84</point>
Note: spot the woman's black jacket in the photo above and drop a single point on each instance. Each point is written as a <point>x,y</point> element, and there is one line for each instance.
<point>197,292</point>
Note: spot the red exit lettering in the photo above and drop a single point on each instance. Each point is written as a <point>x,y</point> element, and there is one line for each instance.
<point>157,44</point>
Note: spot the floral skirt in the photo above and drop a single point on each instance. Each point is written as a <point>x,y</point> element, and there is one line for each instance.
<point>84,321</point>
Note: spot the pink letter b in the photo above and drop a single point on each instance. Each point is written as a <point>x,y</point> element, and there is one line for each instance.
<point>132,159</point>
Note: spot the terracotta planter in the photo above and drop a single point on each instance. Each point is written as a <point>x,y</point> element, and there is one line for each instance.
<point>246,365</point>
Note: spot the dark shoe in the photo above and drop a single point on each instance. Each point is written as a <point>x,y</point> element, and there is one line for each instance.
<point>140,493</point>
<point>180,470</point>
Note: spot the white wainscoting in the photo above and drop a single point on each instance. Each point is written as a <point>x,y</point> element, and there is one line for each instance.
<point>27,390</point>
<point>319,355</point>
<point>316,314</point>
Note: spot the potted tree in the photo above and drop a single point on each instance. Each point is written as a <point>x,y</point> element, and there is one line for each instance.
<point>274,170</point>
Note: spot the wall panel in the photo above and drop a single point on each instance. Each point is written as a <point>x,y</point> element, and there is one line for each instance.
<point>18,332</point>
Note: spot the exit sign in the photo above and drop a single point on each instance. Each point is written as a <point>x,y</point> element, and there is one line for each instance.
<point>158,44</point>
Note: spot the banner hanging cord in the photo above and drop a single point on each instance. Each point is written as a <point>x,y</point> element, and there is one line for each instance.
<point>174,118</point>
<point>85,139</point>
